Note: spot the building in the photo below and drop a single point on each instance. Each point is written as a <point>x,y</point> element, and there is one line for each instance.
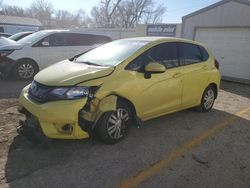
<point>165,30</point>
<point>141,30</point>
<point>225,28</point>
<point>14,24</point>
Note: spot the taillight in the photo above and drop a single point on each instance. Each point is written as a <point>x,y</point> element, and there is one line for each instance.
<point>216,64</point>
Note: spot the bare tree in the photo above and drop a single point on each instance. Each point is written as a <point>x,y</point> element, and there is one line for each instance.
<point>103,14</point>
<point>42,10</point>
<point>155,15</point>
<point>127,13</point>
<point>65,19</point>
<point>13,11</point>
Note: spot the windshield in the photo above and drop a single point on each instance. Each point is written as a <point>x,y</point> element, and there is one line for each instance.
<point>15,36</point>
<point>18,36</point>
<point>112,53</point>
<point>33,37</point>
<point>6,41</point>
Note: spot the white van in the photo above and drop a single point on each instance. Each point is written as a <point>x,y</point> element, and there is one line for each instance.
<point>43,48</point>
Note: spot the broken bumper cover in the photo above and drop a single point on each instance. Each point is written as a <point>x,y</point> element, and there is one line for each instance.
<point>57,119</point>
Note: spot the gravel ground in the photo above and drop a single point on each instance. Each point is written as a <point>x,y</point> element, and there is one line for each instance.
<point>221,161</point>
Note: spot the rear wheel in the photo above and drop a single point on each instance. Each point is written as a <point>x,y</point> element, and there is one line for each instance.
<point>207,100</point>
<point>25,70</point>
<point>113,126</point>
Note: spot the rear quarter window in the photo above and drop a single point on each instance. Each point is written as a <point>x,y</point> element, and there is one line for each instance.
<point>204,53</point>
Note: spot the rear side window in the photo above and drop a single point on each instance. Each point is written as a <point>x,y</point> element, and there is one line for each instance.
<point>100,39</point>
<point>166,54</point>
<point>75,39</point>
<point>57,40</point>
<point>190,53</point>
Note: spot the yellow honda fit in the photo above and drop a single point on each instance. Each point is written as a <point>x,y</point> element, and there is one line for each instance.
<point>124,82</point>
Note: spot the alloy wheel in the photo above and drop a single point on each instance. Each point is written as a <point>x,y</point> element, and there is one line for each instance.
<point>117,123</point>
<point>26,70</point>
<point>209,99</point>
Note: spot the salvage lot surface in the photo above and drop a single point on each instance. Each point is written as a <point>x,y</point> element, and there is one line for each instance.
<point>221,160</point>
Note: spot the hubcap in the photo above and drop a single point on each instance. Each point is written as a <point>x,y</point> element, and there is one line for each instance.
<point>209,99</point>
<point>26,70</point>
<point>117,123</point>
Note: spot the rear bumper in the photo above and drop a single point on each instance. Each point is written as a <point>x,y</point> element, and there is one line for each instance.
<point>54,116</point>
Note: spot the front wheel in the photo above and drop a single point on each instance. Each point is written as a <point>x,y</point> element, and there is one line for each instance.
<point>25,70</point>
<point>207,100</point>
<point>113,126</point>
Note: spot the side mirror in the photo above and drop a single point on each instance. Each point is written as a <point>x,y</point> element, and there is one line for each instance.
<point>45,43</point>
<point>153,68</point>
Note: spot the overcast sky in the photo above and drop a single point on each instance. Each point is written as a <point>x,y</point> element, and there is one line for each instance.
<point>175,8</point>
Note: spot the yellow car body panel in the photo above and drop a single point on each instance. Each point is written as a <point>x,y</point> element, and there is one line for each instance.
<point>177,88</point>
<point>53,115</point>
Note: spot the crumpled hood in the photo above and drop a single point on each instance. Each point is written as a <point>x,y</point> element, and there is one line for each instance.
<point>67,73</point>
<point>8,44</point>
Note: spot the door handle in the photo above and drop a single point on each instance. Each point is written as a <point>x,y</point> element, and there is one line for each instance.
<point>176,75</point>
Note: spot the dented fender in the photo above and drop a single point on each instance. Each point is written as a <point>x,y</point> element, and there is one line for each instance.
<point>98,107</point>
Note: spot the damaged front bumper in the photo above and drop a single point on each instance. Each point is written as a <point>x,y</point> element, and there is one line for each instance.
<point>57,119</point>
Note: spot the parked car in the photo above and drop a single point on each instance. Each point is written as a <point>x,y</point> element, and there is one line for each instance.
<point>5,34</point>
<point>43,48</point>
<point>20,35</point>
<point>108,88</point>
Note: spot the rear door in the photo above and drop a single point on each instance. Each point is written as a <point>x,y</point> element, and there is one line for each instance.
<point>195,73</point>
<point>77,43</point>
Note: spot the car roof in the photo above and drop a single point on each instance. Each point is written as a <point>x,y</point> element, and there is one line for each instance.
<point>24,32</point>
<point>1,33</point>
<point>70,31</point>
<point>159,39</point>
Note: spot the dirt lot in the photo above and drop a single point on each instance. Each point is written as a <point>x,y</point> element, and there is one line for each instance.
<point>185,149</point>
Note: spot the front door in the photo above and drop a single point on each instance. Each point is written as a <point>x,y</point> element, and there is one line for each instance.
<point>161,92</point>
<point>53,49</point>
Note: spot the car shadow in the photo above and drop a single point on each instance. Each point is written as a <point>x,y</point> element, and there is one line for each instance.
<point>91,163</point>
<point>236,88</point>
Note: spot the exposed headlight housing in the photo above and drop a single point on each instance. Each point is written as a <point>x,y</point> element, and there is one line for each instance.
<point>44,93</point>
<point>70,92</point>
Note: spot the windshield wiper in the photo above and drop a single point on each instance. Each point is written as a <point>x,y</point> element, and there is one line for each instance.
<point>88,63</point>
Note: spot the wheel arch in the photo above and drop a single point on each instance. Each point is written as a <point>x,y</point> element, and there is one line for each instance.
<point>130,105</point>
<point>136,119</point>
<point>28,59</point>
<point>214,85</point>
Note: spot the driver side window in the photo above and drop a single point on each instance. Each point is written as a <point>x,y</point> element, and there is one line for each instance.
<point>165,53</point>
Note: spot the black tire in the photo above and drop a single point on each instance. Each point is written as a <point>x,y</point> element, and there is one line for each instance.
<point>105,127</point>
<point>206,106</point>
<point>25,64</point>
